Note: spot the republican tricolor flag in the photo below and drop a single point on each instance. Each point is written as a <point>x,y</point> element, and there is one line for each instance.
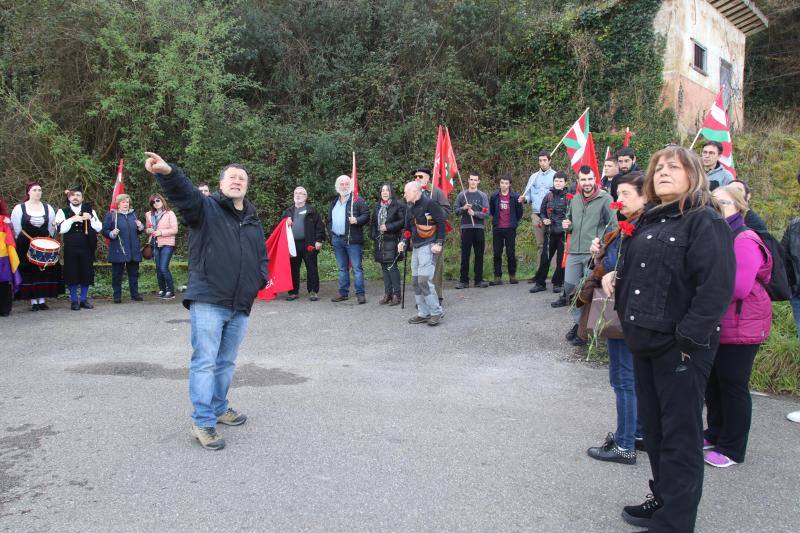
<point>716,128</point>
<point>280,247</point>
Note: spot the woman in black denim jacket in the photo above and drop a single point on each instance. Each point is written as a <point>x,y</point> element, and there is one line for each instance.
<point>674,284</point>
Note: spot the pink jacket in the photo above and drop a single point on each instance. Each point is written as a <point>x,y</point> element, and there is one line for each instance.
<point>167,225</point>
<point>748,319</point>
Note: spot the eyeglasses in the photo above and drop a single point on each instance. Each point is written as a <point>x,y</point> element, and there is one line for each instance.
<point>420,177</point>
<point>724,202</point>
<point>156,201</point>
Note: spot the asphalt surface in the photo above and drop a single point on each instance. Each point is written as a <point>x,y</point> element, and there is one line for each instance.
<point>357,421</point>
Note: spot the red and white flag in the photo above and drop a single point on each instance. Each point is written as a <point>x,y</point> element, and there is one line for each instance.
<point>576,139</point>
<point>716,128</point>
<point>118,188</point>
<point>627,139</point>
<point>280,247</point>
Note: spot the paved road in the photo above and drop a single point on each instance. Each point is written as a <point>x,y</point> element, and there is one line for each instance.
<point>356,423</point>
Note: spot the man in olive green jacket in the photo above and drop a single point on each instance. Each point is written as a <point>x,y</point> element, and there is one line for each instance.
<point>589,216</point>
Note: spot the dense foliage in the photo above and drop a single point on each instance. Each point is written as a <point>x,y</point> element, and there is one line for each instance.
<point>292,87</point>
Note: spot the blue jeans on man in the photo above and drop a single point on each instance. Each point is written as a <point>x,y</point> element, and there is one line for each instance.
<point>348,253</point>
<point>217,332</point>
<point>621,377</point>
<point>423,266</point>
<point>162,255</point>
<point>795,300</point>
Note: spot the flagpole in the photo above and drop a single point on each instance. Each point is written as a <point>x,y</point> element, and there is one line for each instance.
<point>565,135</point>
<point>699,131</point>
<point>352,191</point>
<point>466,200</point>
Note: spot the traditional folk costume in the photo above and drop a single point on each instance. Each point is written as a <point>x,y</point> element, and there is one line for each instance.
<point>38,282</point>
<point>80,243</point>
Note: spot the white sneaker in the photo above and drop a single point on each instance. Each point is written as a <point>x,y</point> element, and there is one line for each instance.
<point>794,416</point>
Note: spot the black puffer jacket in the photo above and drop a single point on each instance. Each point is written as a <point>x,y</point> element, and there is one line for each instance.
<point>227,251</point>
<point>676,279</point>
<point>791,244</point>
<point>386,243</point>
<point>554,207</point>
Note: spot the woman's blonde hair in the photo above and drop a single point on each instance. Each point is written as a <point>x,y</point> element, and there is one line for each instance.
<point>737,196</point>
<point>123,197</point>
<point>698,194</point>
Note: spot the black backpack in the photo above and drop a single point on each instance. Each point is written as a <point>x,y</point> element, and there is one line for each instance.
<point>778,288</point>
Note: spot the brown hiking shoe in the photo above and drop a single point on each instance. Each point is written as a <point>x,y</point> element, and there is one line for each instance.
<point>416,319</point>
<point>339,298</point>
<point>208,437</point>
<point>231,417</point>
<point>361,298</point>
<point>395,300</point>
<point>386,299</point>
<point>435,319</point>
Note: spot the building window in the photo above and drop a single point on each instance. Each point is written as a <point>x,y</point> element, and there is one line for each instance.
<point>699,58</point>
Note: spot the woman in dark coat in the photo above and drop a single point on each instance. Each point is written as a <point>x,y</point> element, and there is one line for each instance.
<point>122,228</point>
<point>386,227</point>
<point>674,282</point>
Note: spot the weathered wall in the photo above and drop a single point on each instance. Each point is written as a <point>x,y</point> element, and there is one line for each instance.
<point>688,91</point>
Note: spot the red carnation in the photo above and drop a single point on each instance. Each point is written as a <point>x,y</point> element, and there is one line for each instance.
<point>407,234</point>
<point>626,228</point>
<point>310,248</point>
<point>485,209</point>
<point>616,206</point>
<point>549,210</point>
<point>570,196</point>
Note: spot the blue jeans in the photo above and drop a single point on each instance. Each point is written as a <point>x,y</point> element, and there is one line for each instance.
<point>423,266</point>
<point>217,332</point>
<point>796,311</point>
<point>620,375</point>
<point>348,253</point>
<point>162,255</point>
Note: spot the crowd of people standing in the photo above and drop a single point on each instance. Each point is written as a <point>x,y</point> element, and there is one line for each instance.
<point>686,271</point>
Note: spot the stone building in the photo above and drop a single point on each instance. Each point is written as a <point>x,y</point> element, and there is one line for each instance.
<point>705,42</point>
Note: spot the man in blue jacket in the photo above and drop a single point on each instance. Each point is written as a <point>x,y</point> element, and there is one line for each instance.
<point>506,211</point>
<point>227,268</point>
<point>539,184</point>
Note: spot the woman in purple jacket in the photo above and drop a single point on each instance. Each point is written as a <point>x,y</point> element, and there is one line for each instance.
<point>745,325</point>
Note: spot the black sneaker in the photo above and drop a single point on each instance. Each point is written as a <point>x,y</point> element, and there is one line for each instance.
<point>640,445</point>
<point>557,289</point>
<point>537,288</point>
<point>43,307</point>
<point>137,298</point>
<point>561,302</point>
<point>481,284</point>
<point>609,451</point>
<point>462,285</point>
<point>640,515</point>
<point>577,341</point>
<point>496,281</point>
<point>86,305</point>
<point>75,306</point>
<point>572,333</point>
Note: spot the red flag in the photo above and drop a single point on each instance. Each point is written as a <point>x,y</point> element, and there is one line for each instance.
<point>118,188</point>
<point>355,177</point>
<point>627,137</point>
<point>566,252</point>
<point>279,249</point>
<point>589,157</point>
<point>608,153</point>
<point>449,165</point>
<point>438,159</point>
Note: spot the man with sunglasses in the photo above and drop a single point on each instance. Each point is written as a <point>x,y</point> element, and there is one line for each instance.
<point>423,177</point>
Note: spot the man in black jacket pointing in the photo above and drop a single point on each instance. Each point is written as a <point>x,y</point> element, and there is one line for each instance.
<point>227,268</point>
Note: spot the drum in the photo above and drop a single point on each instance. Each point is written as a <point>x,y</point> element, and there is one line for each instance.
<point>43,251</point>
